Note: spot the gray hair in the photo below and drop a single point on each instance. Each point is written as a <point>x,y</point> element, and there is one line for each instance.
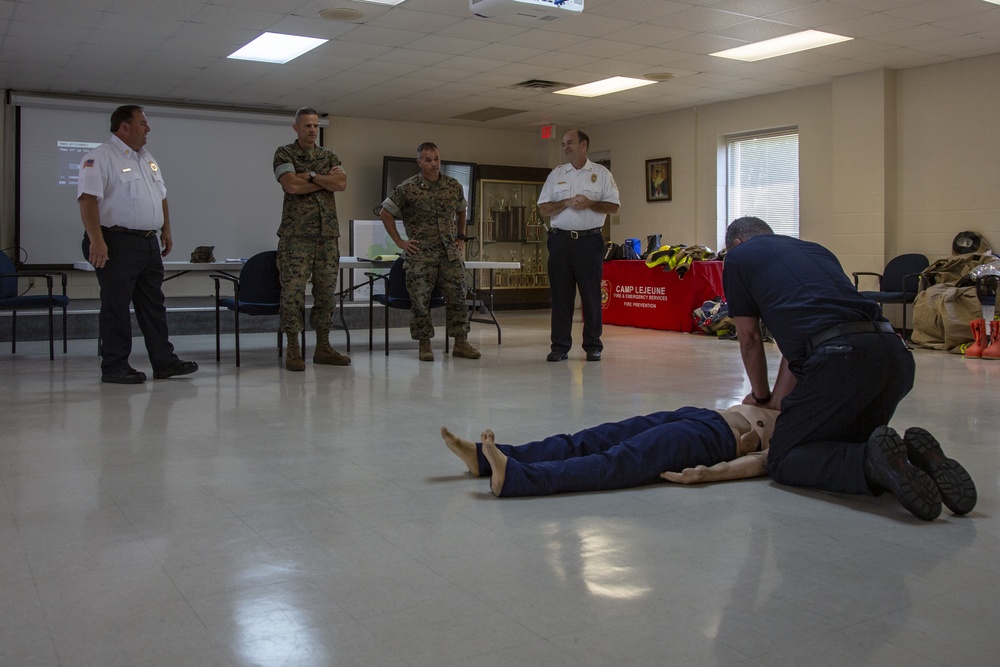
<point>744,228</point>
<point>305,111</point>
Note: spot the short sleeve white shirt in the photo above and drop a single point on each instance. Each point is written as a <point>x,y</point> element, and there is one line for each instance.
<point>128,185</point>
<point>592,181</point>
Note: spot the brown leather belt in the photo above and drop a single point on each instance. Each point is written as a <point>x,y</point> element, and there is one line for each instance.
<point>846,330</point>
<point>144,233</point>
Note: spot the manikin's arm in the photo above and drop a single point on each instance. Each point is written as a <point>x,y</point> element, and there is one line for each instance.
<point>751,465</point>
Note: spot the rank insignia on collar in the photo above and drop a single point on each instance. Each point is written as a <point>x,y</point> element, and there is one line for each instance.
<point>593,178</point>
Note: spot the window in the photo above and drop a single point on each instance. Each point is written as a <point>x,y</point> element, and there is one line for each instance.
<point>763,178</point>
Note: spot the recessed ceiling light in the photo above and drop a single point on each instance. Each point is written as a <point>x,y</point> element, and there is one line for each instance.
<point>273,47</point>
<point>780,46</point>
<point>604,87</point>
<point>658,76</point>
<point>383,2</point>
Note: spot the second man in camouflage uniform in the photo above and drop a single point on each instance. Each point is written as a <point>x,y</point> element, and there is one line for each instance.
<point>432,207</point>
<point>310,234</point>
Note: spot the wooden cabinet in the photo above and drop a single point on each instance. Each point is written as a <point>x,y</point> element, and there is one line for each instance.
<point>509,228</point>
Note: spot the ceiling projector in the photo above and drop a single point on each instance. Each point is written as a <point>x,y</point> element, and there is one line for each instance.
<point>526,12</point>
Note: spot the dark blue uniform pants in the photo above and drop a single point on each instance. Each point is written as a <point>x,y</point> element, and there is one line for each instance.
<point>845,390</point>
<point>616,455</point>
<point>575,263</point>
<point>133,274</point>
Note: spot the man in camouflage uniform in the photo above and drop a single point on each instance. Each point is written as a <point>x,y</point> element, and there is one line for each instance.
<point>432,207</point>
<point>309,238</point>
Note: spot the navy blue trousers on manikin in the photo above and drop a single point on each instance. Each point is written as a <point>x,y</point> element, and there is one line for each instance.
<point>133,274</point>
<point>615,455</point>
<point>845,390</point>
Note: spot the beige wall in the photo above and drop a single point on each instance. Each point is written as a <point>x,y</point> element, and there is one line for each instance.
<point>949,153</point>
<point>360,144</point>
<point>890,162</point>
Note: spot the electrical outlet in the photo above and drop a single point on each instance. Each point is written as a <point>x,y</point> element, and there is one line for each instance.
<point>31,283</point>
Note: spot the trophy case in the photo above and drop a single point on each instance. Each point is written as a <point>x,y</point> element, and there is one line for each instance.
<point>511,229</point>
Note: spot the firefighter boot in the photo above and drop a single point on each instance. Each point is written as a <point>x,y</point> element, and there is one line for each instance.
<point>975,349</point>
<point>993,351</point>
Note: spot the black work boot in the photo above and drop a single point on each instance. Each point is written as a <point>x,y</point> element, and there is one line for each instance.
<point>958,491</point>
<point>886,467</point>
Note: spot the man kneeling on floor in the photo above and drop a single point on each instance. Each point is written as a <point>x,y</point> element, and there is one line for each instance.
<point>843,371</point>
<point>687,446</point>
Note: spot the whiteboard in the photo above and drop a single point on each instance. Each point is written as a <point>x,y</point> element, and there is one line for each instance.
<point>216,165</point>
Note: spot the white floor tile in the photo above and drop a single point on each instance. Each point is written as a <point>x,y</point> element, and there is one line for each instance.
<point>254,516</point>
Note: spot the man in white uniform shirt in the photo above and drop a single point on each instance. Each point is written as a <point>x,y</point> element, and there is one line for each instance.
<point>123,204</point>
<point>576,197</point>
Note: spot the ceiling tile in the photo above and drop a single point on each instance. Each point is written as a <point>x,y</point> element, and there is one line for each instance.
<point>648,34</point>
<point>468,62</point>
<point>700,19</point>
<point>439,44</point>
<point>365,34</point>
<point>929,11</point>
<point>639,11</point>
<point>403,19</point>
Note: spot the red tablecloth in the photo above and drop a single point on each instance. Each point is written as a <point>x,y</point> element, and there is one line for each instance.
<point>635,295</point>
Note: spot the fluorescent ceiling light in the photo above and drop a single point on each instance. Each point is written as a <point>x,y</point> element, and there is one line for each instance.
<point>780,46</point>
<point>604,87</point>
<point>995,2</point>
<point>383,2</point>
<point>272,47</point>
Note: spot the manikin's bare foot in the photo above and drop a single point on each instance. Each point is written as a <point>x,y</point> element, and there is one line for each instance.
<point>497,461</point>
<point>464,449</point>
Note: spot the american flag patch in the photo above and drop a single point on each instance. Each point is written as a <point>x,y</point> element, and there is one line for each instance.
<point>88,163</point>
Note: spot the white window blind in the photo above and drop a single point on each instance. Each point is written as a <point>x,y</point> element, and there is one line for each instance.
<point>764,178</point>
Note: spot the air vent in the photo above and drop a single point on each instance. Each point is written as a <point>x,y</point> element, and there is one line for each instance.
<point>540,84</point>
<point>489,113</point>
<point>342,14</point>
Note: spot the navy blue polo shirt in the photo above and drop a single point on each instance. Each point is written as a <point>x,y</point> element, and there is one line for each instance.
<point>796,288</point>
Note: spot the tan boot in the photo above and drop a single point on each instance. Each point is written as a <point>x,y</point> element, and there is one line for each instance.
<point>464,350</point>
<point>426,353</point>
<point>325,354</point>
<point>293,353</point>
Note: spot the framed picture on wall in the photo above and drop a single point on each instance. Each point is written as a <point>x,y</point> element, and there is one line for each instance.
<point>658,187</point>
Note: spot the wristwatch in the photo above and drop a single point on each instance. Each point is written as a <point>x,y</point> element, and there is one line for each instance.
<point>461,237</point>
<point>312,175</point>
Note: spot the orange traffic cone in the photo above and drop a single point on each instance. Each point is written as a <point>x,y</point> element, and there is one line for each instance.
<point>993,351</point>
<point>975,349</point>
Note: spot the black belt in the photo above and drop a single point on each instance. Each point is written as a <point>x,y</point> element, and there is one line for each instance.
<point>846,330</point>
<point>575,234</point>
<point>144,233</point>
